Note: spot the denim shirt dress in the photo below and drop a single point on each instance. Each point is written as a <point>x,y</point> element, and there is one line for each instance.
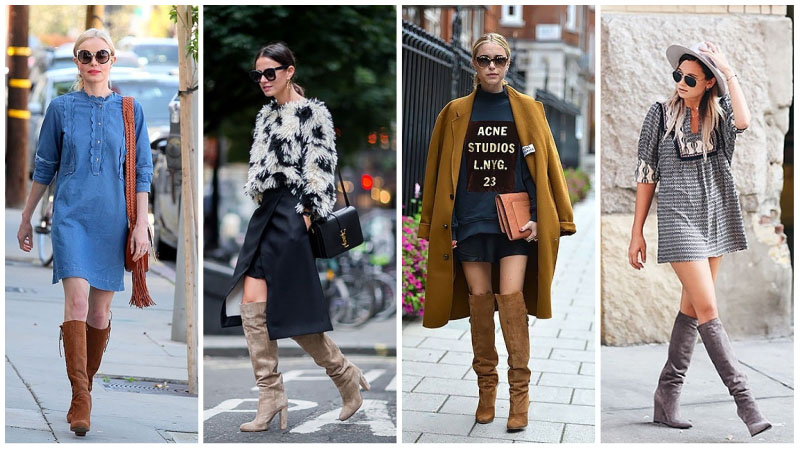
<point>82,144</point>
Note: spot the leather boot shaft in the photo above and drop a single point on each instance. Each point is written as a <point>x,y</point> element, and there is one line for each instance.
<point>666,399</point>
<point>484,359</point>
<point>73,333</point>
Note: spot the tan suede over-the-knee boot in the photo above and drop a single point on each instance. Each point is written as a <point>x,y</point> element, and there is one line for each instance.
<point>73,333</point>
<point>344,374</point>
<point>514,323</point>
<point>264,357</point>
<point>484,359</point>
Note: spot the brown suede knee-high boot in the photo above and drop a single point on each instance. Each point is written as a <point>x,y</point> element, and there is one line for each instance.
<point>344,374</point>
<point>484,360</point>
<point>96,342</point>
<point>74,335</point>
<point>514,323</point>
<point>264,357</point>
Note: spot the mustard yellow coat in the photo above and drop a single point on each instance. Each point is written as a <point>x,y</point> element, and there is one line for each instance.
<point>446,292</point>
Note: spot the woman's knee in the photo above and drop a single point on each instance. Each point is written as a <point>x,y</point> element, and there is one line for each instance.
<point>77,304</point>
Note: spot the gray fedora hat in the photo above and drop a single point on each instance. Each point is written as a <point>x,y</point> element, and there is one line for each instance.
<point>674,53</point>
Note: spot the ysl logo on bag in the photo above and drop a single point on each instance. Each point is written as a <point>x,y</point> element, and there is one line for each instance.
<point>343,235</point>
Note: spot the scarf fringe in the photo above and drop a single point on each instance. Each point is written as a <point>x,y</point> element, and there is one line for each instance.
<point>141,296</point>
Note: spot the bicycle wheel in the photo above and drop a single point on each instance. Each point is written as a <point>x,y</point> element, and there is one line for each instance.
<point>383,287</point>
<point>45,246</point>
<point>354,308</point>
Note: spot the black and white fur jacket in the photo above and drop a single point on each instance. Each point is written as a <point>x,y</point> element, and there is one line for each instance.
<point>294,146</point>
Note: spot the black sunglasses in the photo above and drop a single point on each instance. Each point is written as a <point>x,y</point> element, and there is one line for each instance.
<point>499,61</point>
<point>85,56</point>
<point>269,74</point>
<point>689,79</point>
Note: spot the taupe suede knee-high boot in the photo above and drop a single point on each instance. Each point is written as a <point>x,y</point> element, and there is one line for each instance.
<point>514,323</point>
<point>264,357</point>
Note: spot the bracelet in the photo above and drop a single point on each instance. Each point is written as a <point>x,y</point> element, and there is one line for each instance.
<point>732,77</point>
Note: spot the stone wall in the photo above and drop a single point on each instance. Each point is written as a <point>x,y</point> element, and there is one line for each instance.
<point>754,288</point>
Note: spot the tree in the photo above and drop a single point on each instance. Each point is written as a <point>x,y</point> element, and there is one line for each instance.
<point>345,57</point>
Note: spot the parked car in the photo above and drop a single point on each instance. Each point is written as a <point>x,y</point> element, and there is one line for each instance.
<point>165,192</point>
<point>152,91</point>
<point>157,55</point>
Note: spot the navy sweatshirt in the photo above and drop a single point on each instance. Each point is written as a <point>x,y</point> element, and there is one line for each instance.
<point>491,163</point>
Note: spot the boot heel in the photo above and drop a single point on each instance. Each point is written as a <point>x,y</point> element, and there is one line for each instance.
<point>364,383</point>
<point>284,418</point>
<point>658,415</point>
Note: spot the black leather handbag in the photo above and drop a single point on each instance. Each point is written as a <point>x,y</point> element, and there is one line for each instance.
<point>337,233</point>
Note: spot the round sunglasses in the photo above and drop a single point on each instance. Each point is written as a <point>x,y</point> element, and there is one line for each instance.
<point>499,61</point>
<point>269,73</point>
<point>689,79</point>
<point>85,56</point>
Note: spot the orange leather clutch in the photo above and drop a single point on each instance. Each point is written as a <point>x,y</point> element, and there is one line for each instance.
<point>514,211</point>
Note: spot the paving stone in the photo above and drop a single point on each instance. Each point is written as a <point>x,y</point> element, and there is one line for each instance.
<point>426,369</point>
<point>587,369</point>
<point>578,433</point>
<point>583,397</point>
<point>410,436</point>
<point>443,332</point>
<point>565,380</point>
<point>422,422</point>
<point>551,394</point>
<point>554,412</point>
<point>445,344</point>
<point>573,355</point>
<point>409,382</point>
<point>535,432</point>
<point>417,401</point>
<point>422,354</point>
<point>430,438</point>
<point>457,404</point>
<point>411,340</point>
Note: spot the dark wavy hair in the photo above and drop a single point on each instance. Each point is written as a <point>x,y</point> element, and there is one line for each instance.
<point>280,53</point>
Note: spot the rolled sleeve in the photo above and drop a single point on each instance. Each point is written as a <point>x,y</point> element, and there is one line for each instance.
<point>48,149</point>
<point>144,156</point>
<point>649,140</point>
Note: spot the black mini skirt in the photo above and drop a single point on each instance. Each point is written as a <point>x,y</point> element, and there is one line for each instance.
<point>489,247</point>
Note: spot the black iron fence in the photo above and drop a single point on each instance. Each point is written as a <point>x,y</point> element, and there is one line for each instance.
<point>434,72</point>
<point>562,118</point>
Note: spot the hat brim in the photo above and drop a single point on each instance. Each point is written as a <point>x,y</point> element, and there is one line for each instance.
<point>674,53</point>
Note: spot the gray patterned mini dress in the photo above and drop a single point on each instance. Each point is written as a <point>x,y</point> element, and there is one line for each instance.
<point>699,215</point>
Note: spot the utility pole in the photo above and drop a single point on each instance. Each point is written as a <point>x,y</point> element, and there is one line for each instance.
<point>187,83</point>
<point>94,16</point>
<point>18,116</point>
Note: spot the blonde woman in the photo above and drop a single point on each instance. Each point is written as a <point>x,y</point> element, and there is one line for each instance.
<point>686,147</point>
<point>82,145</point>
<point>495,140</point>
<point>275,291</point>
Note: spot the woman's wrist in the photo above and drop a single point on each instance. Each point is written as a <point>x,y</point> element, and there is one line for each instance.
<point>26,216</point>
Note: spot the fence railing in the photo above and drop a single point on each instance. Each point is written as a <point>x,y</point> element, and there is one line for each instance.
<point>434,72</point>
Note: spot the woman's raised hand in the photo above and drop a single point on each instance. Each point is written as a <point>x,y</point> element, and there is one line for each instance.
<point>718,58</point>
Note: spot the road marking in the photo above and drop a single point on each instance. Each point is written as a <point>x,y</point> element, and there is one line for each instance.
<point>392,386</point>
<point>375,413</point>
<point>231,404</point>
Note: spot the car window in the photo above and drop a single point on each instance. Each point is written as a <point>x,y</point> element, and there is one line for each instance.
<point>154,96</point>
<point>62,87</point>
<point>158,54</point>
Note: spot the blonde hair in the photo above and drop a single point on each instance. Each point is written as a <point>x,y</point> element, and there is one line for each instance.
<point>709,111</point>
<point>86,35</point>
<point>494,38</point>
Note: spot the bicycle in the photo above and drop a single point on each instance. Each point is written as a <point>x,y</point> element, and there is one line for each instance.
<point>44,242</point>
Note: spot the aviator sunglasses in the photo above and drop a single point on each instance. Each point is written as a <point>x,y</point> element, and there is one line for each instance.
<point>85,56</point>
<point>499,61</point>
<point>690,80</point>
<point>269,74</point>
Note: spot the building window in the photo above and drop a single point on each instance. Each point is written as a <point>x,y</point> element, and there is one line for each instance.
<point>572,18</point>
<point>511,16</point>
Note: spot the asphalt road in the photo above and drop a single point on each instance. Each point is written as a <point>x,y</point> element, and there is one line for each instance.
<point>230,399</point>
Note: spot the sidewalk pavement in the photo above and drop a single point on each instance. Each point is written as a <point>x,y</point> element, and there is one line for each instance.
<point>376,337</point>
<point>630,376</point>
<point>127,405</point>
<point>440,391</point>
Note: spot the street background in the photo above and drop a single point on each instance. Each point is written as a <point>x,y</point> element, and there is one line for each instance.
<point>348,62</point>
<point>146,387</point>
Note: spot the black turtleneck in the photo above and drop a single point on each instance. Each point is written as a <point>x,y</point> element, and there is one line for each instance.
<point>492,163</point>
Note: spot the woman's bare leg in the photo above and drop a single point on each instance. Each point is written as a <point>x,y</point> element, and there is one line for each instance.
<point>698,297</point>
<point>479,277</point>
<point>255,290</point>
<point>512,273</point>
<point>99,307</point>
<point>76,298</point>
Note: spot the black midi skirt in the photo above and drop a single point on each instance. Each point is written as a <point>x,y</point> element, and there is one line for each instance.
<point>277,249</point>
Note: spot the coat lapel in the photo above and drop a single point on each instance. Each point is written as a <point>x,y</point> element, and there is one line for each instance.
<point>525,122</point>
<point>459,129</point>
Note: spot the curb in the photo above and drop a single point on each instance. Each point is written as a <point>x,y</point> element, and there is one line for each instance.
<point>284,352</point>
